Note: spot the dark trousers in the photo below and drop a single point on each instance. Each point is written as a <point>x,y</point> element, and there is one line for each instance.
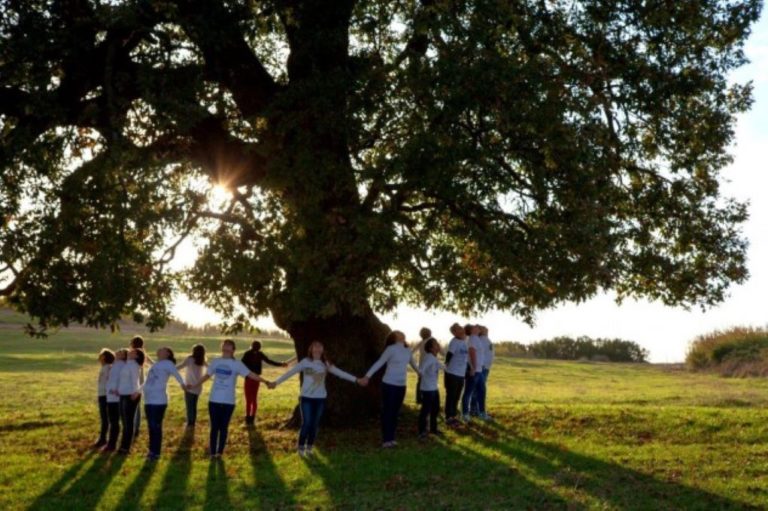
<point>418,390</point>
<point>311,411</point>
<point>104,417</point>
<point>392,400</point>
<point>128,408</point>
<point>190,400</point>
<point>453,386</point>
<point>113,415</point>
<point>136,422</point>
<point>220,414</point>
<point>430,407</point>
<point>155,415</point>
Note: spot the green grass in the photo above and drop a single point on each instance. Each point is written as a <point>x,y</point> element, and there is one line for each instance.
<point>567,435</point>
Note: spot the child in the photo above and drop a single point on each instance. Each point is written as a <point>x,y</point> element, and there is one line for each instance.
<point>221,404</point>
<point>474,375</point>
<point>113,399</point>
<point>252,360</point>
<point>195,365</point>
<point>397,357</point>
<point>456,361</point>
<point>106,358</point>
<point>314,369</point>
<point>129,389</point>
<point>137,343</point>
<point>430,396</point>
<point>156,398</point>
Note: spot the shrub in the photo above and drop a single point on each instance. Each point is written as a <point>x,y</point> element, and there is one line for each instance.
<point>581,348</point>
<point>739,351</point>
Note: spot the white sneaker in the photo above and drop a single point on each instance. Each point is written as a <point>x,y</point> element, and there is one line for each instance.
<point>308,451</point>
<point>302,452</point>
<point>466,418</point>
<point>486,417</point>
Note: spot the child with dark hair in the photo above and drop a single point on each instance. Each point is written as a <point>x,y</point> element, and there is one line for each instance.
<point>396,357</point>
<point>130,396</point>
<point>137,343</point>
<point>156,397</point>
<point>221,404</point>
<point>253,359</point>
<point>113,399</point>
<point>106,358</point>
<point>194,366</point>
<point>429,368</point>
<point>456,361</point>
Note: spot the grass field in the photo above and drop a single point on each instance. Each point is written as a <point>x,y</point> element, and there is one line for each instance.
<point>567,435</point>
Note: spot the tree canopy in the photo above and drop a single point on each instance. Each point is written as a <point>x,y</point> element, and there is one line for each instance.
<point>462,155</point>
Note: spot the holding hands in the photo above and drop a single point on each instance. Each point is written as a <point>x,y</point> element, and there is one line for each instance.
<point>363,382</point>
<point>271,385</point>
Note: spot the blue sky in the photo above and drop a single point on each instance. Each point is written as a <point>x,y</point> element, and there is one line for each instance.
<point>664,331</point>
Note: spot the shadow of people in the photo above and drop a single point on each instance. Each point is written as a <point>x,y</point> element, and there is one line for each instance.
<point>174,488</point>
<point>83,487</point>
<point>216,487</point>
<point>269,489</point>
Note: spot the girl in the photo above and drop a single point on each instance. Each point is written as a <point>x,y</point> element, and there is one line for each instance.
<point>129,389</point>
<point>396,356</point>
<point>113,399</point>
<point>137,343</point>
<point>430,396</point>
<point>314,369</point>
<point>156,398</point>
<point>456,361</point>
<point>252,360</point>
<point>221,404</point>
<point>195,366</point>
<point>106,358</point>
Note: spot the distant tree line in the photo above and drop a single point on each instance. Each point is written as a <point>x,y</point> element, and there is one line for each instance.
<point>580,348</point>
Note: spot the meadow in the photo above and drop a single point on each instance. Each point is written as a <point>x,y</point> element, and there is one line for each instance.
<point>566,435</point>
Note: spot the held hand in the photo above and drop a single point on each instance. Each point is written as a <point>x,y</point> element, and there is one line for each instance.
<point>285,364</point>
<point>135,396</point>
<point>363,382</point>
<point>271,385</point>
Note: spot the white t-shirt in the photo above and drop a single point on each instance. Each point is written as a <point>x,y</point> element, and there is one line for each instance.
<point>475,342</point>
<point>397,357</point>
<point>113,380</point>
<point>224,372</point>
<point>103,377</point>
<point>487,351</point>
<point>429,369</point>
<point>457,366</point>
<point>128,383</point>
<point>157,381</point>
<point>314,373</point>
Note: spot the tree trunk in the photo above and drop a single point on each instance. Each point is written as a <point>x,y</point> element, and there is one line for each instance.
<point>352,343</point>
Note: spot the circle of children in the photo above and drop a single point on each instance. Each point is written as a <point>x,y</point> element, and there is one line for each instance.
<point>121,385</point>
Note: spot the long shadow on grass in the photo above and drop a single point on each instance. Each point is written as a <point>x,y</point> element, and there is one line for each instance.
<point>270,488</point>
<point>216,490</point>
<point>612,484</point>
<point>85,489</point>
<point>173,490</point>
<point>133,493</point>
<point>430,475</point>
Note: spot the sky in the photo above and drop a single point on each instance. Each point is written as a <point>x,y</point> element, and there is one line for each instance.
<point>664,331</point>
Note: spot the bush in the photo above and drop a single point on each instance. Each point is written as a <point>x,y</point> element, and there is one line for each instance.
<point>581,348</point>
<point>740,351</point>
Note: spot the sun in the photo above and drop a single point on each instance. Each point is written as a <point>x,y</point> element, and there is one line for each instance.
<point>219,194</point>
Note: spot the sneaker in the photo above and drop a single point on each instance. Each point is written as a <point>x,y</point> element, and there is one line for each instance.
<point>388,445</point>
<point>99,444</point>
<point>308,451</point>
<point>486,417</point>
<point>302,452</point>
<point>423,437</point>
<point>466,419</point>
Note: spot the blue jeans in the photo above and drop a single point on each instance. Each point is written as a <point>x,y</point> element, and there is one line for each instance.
<point>220,414</point>
<point>311,412</point>
<point>113,414</point>
<point>155,414</point>
<point>477,405</point>
<point>128,410</point>
<point>470,389</point>
<point>190,400</point>
<point>392,400</point>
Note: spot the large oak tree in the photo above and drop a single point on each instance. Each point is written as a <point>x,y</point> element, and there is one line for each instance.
<point>451,154</point>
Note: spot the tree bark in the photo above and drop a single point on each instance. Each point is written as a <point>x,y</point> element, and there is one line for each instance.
<point>352,343</point>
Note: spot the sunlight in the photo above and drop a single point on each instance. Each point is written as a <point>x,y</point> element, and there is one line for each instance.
<point>219,193</point>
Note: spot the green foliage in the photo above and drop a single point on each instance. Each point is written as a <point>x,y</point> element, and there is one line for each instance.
<point>463,155</point>
<point>738,351</point>
<point>581,348</point>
